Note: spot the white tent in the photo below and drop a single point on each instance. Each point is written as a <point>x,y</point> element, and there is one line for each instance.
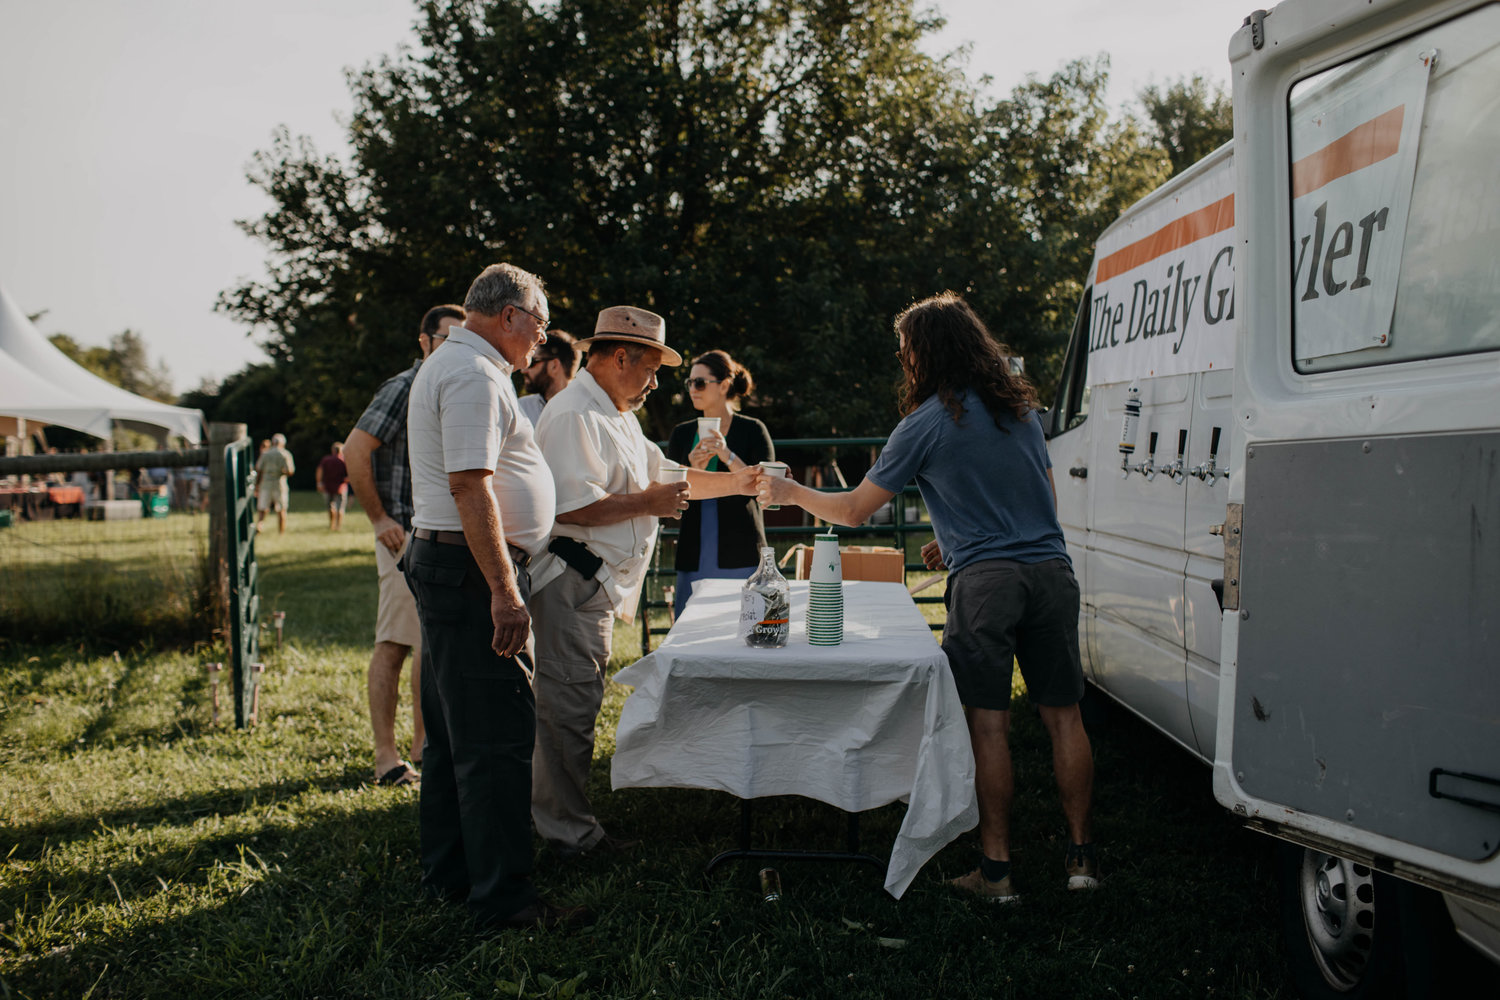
<point>33,366</point>
<point>28,396</point>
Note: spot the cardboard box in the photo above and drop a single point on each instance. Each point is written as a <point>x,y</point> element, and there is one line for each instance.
<point>861,562</point>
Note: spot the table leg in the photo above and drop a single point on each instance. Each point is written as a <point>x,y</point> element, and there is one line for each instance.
<point>746,851</point>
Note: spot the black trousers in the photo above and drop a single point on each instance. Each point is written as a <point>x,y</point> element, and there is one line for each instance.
<point>480,713</point>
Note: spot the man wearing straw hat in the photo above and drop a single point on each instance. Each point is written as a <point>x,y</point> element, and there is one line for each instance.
<point>612,485</point>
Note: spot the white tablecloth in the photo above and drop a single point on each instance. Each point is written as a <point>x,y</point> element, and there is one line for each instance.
<point>858,725</point>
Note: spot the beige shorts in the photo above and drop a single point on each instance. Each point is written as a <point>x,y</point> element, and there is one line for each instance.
<point>396,616</point>
<point>271,496</point>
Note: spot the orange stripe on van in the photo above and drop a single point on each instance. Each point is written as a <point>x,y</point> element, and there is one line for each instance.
<point>1375,140</point>
<point>1176,234</point>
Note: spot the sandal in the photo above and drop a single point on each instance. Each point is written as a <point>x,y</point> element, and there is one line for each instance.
<point>401,774</point>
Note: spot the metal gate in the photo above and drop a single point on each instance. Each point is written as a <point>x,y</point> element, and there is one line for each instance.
<point>244,595</point>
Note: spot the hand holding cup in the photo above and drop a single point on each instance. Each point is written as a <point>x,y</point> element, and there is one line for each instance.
<point>772,485</point>
<point>668,498</point>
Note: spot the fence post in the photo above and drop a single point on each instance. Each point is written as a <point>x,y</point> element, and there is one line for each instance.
<point>220,436</point>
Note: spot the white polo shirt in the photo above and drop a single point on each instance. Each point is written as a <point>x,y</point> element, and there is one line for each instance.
<point>594,451</point>
<point>462,415</point>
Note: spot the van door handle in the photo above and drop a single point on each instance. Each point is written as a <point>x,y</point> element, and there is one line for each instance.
<point>1079,472</point>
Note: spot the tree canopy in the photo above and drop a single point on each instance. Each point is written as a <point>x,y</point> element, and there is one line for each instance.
<point>777,179</point>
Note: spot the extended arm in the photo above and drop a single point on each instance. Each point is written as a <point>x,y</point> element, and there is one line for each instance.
<point>851,508</point>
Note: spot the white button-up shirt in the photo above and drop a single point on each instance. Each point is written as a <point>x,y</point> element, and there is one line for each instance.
<point>463,415</point>
<point>595,451</point>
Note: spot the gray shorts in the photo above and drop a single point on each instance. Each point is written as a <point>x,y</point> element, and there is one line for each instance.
<point>1001,612</point>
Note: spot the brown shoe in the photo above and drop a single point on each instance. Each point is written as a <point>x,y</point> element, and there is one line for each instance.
<point>991,892</point>
<point>546,915</point>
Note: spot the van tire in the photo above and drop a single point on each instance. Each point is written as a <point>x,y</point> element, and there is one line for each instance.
<point>1340,926</point>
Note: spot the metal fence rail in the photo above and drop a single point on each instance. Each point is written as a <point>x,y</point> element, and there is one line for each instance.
<point>899,529</point>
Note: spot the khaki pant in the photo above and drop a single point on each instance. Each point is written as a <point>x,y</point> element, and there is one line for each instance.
<point>573,622</point>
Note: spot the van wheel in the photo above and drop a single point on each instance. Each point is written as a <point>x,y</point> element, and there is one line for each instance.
<point>1340,927</point>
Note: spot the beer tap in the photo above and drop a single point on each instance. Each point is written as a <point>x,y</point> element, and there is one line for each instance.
<point>1148,467</point>
<point>1209,471</point>
<point>1128,429</point>
<point>1174,470</point>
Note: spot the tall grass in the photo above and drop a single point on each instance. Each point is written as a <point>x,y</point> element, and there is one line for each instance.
<point>149,853</point>
<point>108,582</point>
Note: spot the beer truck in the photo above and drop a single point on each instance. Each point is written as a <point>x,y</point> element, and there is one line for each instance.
<point>1276,442</point>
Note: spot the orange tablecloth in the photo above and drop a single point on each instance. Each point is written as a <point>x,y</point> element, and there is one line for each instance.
<point>66,494</point>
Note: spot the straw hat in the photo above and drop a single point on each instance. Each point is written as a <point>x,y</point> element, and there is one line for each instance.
<point>629,325</point>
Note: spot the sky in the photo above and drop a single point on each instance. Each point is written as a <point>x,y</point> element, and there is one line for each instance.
<point>127,129</point>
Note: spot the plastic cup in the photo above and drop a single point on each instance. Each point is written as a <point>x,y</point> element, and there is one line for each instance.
<point>707,426</point>
<point>772,469</point>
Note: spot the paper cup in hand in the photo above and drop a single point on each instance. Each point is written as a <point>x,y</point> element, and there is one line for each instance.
<point>677,475</point>
<point>774,469</point>
<point>707,426</point>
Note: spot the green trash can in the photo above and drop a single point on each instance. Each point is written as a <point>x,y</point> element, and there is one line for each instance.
<point>5,518</point>
<point>155,504</point>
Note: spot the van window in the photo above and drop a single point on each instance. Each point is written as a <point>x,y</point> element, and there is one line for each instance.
<point>1072,406</point>
<point>1396,201</point>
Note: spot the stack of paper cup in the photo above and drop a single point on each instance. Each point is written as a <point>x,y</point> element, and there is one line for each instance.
<point>825,594</point>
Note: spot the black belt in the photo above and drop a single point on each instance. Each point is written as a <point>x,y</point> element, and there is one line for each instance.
<point>576,554</point>
<point>517,555</point>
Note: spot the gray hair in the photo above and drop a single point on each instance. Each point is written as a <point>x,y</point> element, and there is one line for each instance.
<point>498,286</point>
<point>277,440</point>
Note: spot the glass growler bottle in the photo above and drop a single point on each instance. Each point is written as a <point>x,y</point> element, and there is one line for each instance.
<point>766,604</point>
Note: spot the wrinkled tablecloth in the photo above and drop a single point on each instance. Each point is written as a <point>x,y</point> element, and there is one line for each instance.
<point>858,725</point>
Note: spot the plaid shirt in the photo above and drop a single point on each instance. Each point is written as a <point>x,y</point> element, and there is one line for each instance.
<point>385,420</point>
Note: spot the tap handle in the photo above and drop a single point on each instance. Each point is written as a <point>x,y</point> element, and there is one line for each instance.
<point>1213,446</point>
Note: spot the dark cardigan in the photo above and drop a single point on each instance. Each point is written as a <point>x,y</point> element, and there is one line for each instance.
<point>741,530</point>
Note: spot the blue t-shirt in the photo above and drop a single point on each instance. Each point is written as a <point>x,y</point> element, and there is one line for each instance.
<point>986,488</point>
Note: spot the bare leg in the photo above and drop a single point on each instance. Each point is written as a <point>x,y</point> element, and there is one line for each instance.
<point>384,689</point>
<point>418,730</point>
<point>281,520</point>
<point>1073,763</point>
<point>994,783</point>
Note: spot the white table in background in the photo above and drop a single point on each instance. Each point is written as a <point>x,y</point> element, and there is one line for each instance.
<point>859,725</point>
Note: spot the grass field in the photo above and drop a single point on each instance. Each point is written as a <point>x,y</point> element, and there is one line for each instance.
<point>148,853</point>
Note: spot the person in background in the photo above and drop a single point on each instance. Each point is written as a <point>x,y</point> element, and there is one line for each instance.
<point>376,460</point>
<point>971,437</point>
<point>549,373</point>
<point>612,485</point>
<point>718,539</point>
<point>331,476</point>
<point>271,471</point>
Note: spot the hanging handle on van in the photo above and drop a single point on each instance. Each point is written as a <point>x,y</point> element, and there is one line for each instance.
<point>1438,772</point>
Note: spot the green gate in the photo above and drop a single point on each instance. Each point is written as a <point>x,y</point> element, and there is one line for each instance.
<point>244,596</point>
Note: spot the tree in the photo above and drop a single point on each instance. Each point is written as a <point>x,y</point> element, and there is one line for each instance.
<point>1189,119</point>
<point>124,363</point>
<point>778,179</point>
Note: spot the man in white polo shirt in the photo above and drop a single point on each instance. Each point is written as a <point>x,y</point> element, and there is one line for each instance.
<point>609,495</point>
<point>483,504</point>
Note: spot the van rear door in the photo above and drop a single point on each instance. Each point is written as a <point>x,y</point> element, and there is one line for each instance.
<point>1360,699</point>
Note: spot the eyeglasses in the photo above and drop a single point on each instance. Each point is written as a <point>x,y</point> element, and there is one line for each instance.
<point>540,359</point>
<point>543,323</point>
<point>699,383</point>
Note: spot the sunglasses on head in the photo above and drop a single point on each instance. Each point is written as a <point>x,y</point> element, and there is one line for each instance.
<point>700,383</point>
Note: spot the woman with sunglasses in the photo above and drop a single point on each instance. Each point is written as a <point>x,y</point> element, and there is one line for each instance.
<point>718,539</point>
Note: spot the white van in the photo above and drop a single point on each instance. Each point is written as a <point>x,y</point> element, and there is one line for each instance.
<point>1277,453</point>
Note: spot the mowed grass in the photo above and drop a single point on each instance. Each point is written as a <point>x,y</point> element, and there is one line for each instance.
<point>149,853</point>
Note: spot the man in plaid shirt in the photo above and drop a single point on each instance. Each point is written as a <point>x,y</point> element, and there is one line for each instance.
<point>380,477</point>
